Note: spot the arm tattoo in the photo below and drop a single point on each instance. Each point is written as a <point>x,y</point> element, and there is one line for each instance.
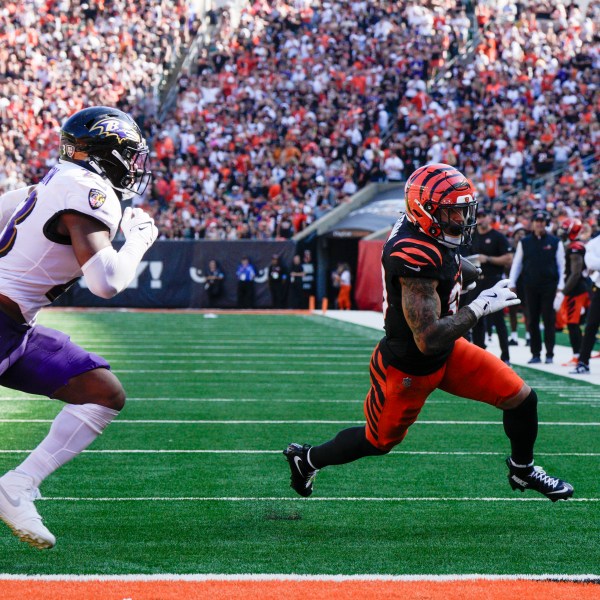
<point>576,267</point>
<point>422,308</point>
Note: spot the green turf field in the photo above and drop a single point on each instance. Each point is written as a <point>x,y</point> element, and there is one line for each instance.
<point>191,479</point>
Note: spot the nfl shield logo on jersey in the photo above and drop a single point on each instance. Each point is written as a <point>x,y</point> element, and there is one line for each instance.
<point>96,198</point>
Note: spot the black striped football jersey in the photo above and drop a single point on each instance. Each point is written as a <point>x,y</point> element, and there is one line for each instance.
<point>410,253</point>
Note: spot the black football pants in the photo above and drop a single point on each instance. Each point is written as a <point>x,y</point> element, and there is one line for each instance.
<point>540,303</point>
<point>496,319</point>
<point>591,327</point>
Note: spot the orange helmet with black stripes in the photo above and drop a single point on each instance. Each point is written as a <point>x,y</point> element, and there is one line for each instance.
<point>440,200</point>
<point>571,228</point>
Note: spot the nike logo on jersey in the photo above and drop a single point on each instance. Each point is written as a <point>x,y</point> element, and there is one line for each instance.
<point>144,226</point>
<point>16,502</point>
<point>413,268</point>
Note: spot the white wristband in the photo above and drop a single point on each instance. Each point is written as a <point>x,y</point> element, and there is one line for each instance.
<point>477,308</point>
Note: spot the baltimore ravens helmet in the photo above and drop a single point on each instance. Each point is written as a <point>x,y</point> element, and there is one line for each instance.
<point>114,144</point>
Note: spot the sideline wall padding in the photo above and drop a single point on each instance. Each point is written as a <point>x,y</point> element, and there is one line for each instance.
<point>171,275</point>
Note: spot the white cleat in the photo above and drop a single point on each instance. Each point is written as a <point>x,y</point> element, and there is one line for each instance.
<point>17,494</point>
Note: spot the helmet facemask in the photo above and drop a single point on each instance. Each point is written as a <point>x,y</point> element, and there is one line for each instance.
<point>456,222</point>
<point>126,170</point>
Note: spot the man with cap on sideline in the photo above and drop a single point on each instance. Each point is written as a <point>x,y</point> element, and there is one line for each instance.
<point>493,255</point>
<point>540,257</point>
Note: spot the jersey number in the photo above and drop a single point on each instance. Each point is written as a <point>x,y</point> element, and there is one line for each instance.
<point>9,235</point>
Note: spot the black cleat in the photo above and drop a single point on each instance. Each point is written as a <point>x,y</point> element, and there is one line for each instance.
<point>580,369</point>
<point>302,473</point>
<point>537,479</point>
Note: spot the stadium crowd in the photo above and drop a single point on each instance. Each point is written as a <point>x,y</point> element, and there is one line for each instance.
<point>58,56</point>
<point>288,114</point>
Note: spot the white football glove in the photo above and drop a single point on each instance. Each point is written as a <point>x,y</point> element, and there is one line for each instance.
<point>139,225</point>
<point>494,299</point>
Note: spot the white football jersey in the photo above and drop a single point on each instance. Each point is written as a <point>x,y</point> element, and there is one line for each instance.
<point>9,202</point>
<point>36,263</point>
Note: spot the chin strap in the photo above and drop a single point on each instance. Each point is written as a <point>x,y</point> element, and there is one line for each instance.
<point>123,194</point>
<point>92,163</point>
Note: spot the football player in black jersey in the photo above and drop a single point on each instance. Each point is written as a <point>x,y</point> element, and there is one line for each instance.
<point>424,349</point>
<point>575,296</point>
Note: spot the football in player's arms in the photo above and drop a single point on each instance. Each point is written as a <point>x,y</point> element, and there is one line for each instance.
<point>470,273</point>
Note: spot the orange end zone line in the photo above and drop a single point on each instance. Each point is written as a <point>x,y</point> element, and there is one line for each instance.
<point>218,589</point>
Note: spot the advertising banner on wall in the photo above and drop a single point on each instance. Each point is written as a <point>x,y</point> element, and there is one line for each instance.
<point>173,275</point>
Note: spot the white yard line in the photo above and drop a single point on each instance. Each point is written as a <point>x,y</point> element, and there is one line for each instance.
<point>238,452</point>
<point>315,353</point>
<point>235,371</point>
<point>296,422</point>
<point>591,400</point>
<point>519,355</point>
<point>297,499</point>
<point>288,577</point>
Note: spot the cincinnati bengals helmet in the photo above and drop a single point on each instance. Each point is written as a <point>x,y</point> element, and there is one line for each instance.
<point>114,144</point>
<point>440,200</point>
<point>571,228</point>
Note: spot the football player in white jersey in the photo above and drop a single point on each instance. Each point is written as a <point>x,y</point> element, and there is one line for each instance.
<point>60,229</point>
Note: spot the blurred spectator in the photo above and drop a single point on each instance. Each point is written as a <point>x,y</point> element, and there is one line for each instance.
<point>278,282</point>
<point>308,281</point>
<point>296,291</point>
<point>343,282</point>
<point>245,274</point>
<point>214,283</point>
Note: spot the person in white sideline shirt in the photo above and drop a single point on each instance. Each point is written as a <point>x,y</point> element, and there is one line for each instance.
<point>62,228</point>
